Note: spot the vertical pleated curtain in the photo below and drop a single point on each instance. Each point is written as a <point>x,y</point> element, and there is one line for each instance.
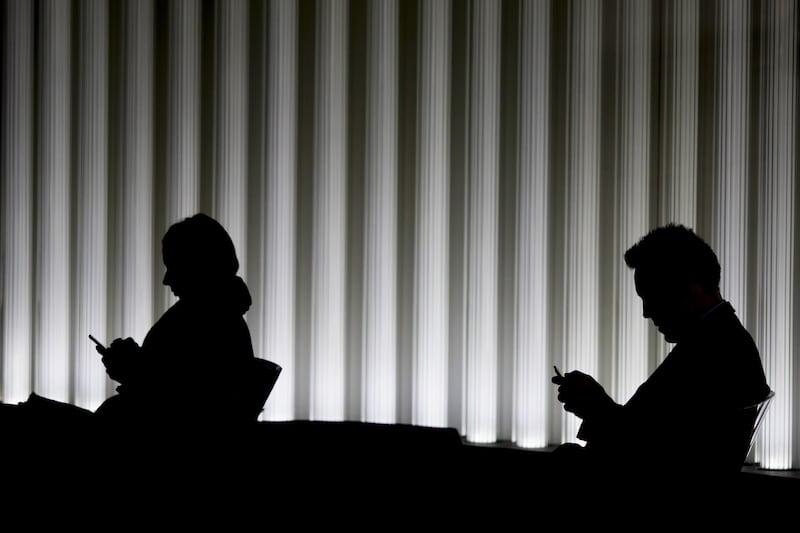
<point>430,199</point>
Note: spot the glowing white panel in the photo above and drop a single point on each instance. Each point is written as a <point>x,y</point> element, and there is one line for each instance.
<point>531,369</point>
<point>52,366</point>
<point>230,120</point>
<point>134,242</point>
<point>328,247</point>
<point>731,146</point>
<point>480,413</point>
<point>678,144</point>
<point>679,60</point>
<point>379,363</point>
<point>581,261</point>
<point>16,158</point>
<point>183,111</point>
<point>277,300</point>
<point>632,171</point>
<point>777,170</point>
<point>182,117</point>
<point>431,275</point>
<point>91,203</point>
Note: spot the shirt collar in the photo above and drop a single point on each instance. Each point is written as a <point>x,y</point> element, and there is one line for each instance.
<point>717,306</point>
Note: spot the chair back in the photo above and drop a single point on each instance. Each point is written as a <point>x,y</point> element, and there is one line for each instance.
<point>757,411</point>
<point>262,379</point>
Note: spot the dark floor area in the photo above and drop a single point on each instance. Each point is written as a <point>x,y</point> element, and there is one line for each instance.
<point>315,472</point>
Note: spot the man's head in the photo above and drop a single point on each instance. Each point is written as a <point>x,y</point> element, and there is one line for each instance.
<point>677,277</point>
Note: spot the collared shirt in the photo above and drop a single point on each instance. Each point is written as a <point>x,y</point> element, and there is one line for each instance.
<point>713,309</point>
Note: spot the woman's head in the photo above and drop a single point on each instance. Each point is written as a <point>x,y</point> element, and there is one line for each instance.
<point>199,256</point>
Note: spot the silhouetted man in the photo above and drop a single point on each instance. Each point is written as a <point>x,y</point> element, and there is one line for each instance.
<point>685,420</point>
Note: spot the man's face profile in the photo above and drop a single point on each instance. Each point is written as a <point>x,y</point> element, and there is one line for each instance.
<point>664,301</point>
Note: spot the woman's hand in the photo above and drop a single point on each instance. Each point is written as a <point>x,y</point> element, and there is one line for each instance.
<point>119,358</point>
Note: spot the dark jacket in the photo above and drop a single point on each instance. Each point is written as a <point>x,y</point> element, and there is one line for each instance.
<point>687,416</point>
<point>193,365</point>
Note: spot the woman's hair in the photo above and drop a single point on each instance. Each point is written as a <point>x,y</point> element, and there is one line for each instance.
<point>199,249</point>
<point>200,244</point>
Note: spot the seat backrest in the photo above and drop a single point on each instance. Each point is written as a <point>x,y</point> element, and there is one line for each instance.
<point>262,379</point>
<point>757,412</point>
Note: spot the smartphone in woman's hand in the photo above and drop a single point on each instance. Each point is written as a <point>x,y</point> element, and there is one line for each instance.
<point>100,347</point>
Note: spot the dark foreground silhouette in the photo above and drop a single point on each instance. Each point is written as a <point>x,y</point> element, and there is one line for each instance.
<point>179,442</point>
<point>689,420</point>
<point>195,361</point>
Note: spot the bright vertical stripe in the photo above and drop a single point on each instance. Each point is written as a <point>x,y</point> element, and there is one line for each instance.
<point>16,158</point>
<point>679,82</point>
<point>91,208</point>
<point>530,417</point>
<point>379,359</point>
<point>731,148</point>
<point>777,258</point>
<point>431,267</point>
<point>581,264</point>
<point>52,363</point>
<point>632,172</point>
<point>183,110</point>
<point>182,118</point>
<point>278,214</point>
<point>230,120</point>
<point>679,95</point>
<point>480,423</point>
<point>134,243</point>
<point>328,297</point>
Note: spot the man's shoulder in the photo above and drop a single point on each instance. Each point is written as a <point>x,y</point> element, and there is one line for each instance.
<point>722,326</point>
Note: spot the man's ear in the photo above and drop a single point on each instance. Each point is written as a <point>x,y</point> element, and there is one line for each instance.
<point>698,295</point>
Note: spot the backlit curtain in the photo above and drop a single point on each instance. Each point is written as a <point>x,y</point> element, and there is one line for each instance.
<point>430,199</point>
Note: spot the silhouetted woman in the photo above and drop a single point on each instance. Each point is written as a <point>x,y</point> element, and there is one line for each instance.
<point>193,364</point>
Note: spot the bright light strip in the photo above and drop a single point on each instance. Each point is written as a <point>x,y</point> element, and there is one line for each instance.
<point>777,259</point>
<point>329,224</point>
<point>679,80</point>
<point>731,148</point>
<point>581,267</point>
<point>183,111</point>
<point>16,158</point>
<point>633,192</point>
<point>531,369</point>
<point>52,346</point>
<point>678,144</point>
<point>431,268</point>
<point>277,300</point>
<point>134,243</point>
<point>379,358</point>
<point>91,208</point>
<point>480,387</point>
<point>183,120</point>
<point>230,120</point>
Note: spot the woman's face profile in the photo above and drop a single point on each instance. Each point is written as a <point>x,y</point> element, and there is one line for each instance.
<point>170,281</point>
<point>174,277</point>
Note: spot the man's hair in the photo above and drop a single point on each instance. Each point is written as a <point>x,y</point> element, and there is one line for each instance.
<point>676,253</point>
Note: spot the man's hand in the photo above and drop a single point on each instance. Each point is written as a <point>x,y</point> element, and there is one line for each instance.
<point>581,394</point>
<point>119,358</point>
